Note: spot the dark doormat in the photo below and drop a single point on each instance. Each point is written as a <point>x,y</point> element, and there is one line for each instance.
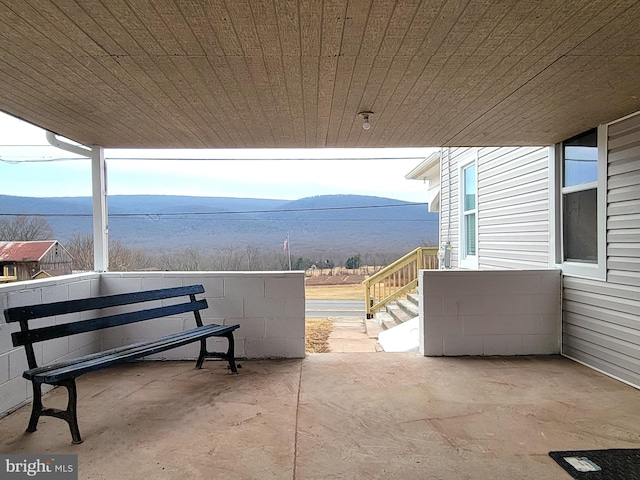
<point>614,464</point>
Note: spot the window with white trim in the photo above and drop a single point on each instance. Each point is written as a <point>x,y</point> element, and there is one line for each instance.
<point>468,216</point>
<point>579,208</point>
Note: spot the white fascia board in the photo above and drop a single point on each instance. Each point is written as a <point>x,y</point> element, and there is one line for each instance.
<point>429,169</point>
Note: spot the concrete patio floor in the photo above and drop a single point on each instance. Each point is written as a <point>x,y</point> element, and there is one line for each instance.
<point>337,416</point>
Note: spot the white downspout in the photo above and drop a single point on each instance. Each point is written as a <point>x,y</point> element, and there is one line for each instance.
<point>69,147</point>
<point>99,194</point>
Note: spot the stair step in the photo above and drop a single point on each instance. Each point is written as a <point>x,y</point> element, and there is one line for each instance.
<point>373,328</point>
<point>385,320</point>
<point>414,298</point>
<point>398,314</point>
<point>410,308</point>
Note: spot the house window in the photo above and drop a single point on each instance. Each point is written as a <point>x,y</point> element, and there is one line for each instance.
<point>468,216</point>
<point>580,198</point>
<point>580,170</point>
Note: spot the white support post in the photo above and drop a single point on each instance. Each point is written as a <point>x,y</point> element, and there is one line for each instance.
<point>99,191</point>
<point>100,217</point>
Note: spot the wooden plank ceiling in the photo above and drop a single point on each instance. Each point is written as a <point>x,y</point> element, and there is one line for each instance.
<point>295,73</point>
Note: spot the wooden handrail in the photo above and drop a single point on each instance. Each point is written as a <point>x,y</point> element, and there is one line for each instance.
<point>398,278</point>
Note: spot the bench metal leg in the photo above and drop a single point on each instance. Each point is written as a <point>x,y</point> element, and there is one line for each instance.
<point>36,407</point>
<point>69,415</point>
<point>231,353</point>
<point>229,356</point>
<point>203,353</point>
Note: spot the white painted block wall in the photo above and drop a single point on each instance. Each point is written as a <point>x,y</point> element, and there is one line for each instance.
<point>269,306</point>
<point>490,312</point>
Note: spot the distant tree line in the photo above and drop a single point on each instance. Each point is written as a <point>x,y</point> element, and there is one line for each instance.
<point>228,258</point>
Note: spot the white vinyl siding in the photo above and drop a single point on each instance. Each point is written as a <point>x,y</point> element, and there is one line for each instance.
<point>513,205</point>
<point>513,191</point>
<point>623,222</point>
<point>601,326</point>
<point>601,323</point>
<point>449,201</point>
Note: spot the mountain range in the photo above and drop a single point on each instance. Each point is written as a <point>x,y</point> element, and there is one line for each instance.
<point>315,225</point>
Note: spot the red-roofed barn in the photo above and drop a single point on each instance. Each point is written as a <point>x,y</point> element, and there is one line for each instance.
<point>28,260</point>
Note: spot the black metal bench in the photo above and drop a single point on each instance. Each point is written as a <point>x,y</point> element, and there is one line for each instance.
<point>65,373</point>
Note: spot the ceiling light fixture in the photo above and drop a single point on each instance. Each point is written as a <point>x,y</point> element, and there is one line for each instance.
<point>365,119</point>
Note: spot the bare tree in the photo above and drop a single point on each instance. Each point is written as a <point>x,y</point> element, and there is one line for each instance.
<point>81,249</point>
<point>188,260</point>
<point>230,259</point>
<point>121,258</point>
<point>252,256</point>
<point>125,259</point>
<point>23,228</point>
<point>168,260</point>
<point>370,261</point>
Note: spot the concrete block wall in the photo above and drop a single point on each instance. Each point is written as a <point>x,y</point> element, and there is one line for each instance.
<point>269,306</point>
<point>490,312</point>
<point>15,390</point>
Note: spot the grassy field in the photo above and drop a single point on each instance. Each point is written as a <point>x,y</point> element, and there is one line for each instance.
<point>334,292</point>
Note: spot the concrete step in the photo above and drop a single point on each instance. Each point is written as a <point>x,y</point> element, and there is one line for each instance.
<point>399,314</point>
<point>373,328</point>
<point>414,298</point>
<point>409,307</point>
<point>385,320</point>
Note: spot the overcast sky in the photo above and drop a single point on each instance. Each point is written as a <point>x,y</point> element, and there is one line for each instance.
<point>28,167</point>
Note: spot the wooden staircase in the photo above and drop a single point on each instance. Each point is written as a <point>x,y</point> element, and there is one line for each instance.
<point>396,281</point>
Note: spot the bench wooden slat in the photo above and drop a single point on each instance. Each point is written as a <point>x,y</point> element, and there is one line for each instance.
<point>208,329</point>
<point>55,331</point>
<point>72,369</point>
<point>30,312</point>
